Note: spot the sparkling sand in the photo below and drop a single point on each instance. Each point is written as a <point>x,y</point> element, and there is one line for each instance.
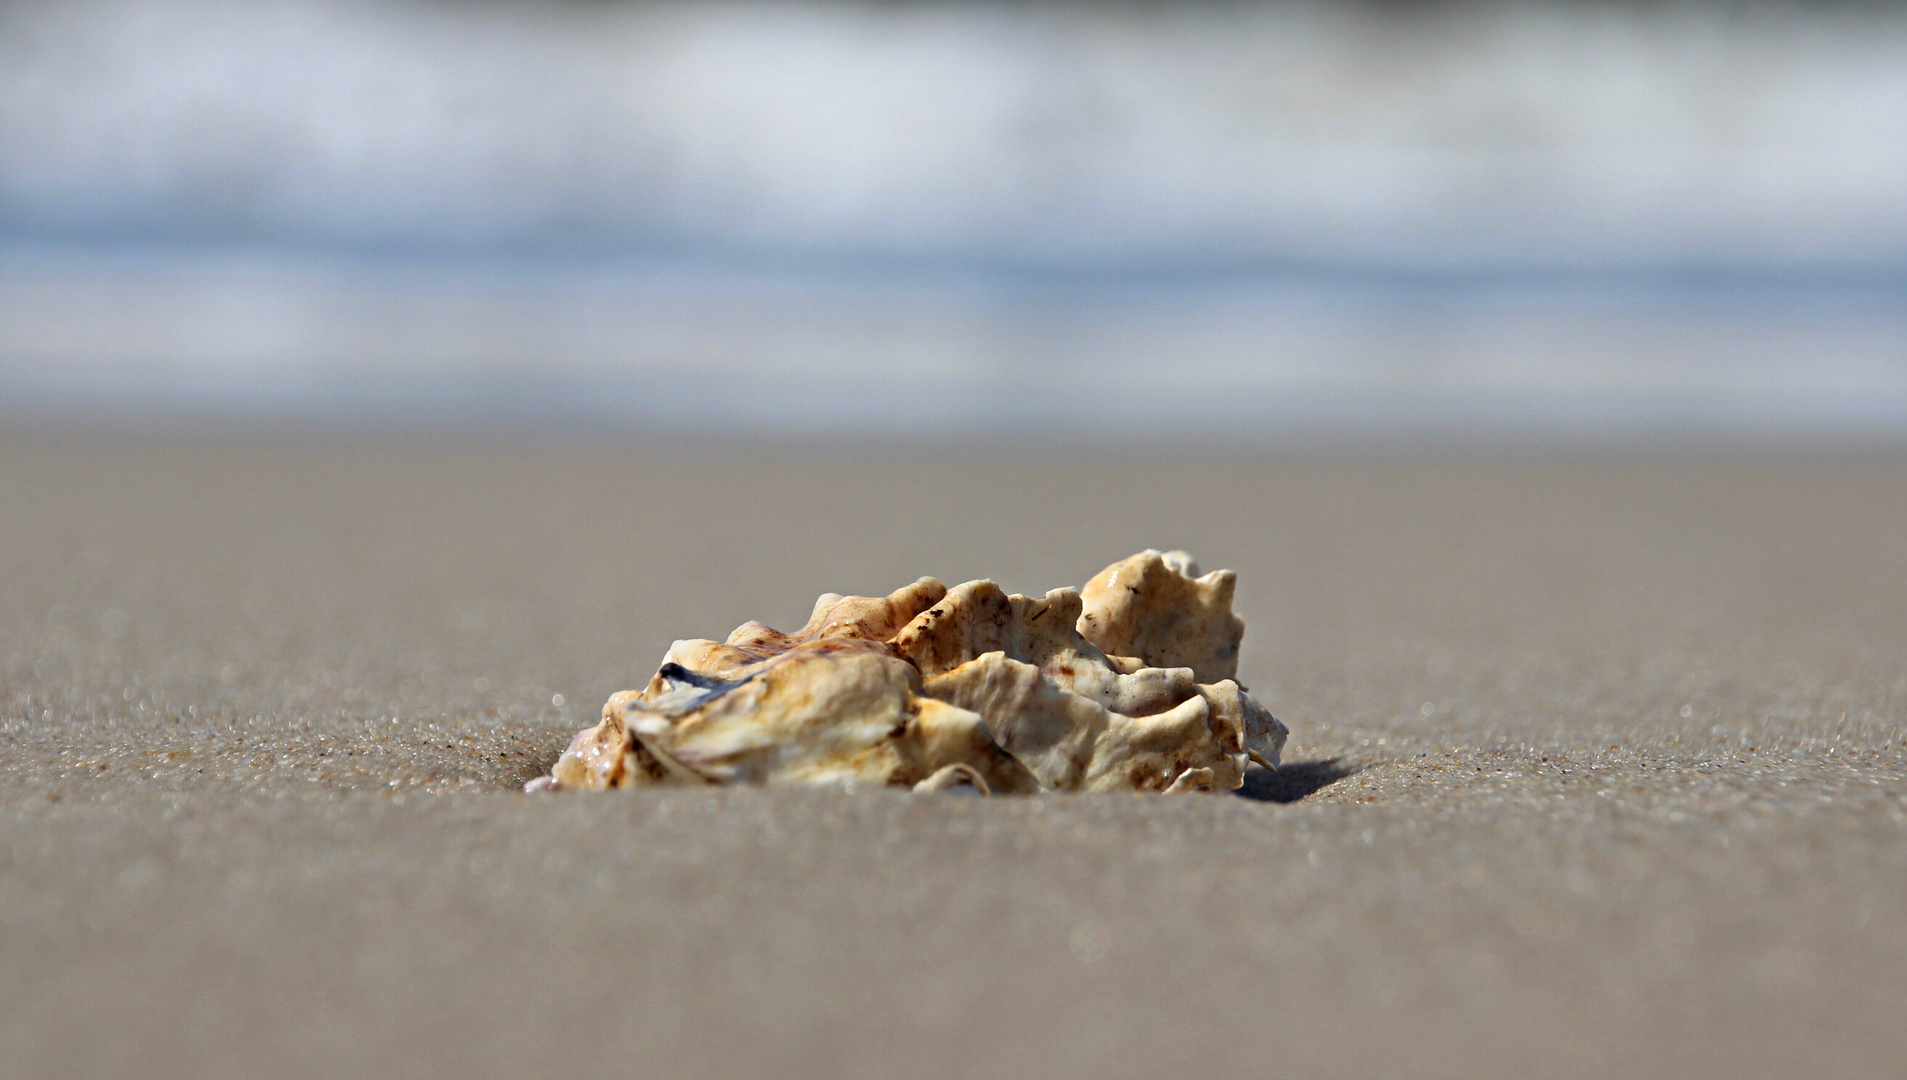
<point>1596,768</point>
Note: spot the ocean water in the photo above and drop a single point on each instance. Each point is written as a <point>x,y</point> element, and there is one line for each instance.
<point>1237,220</point>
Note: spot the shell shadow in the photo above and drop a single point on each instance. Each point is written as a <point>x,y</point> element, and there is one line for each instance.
<point>1293,781</point>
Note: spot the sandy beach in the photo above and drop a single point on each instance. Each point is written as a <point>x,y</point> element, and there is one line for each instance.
<point>1596,767</point>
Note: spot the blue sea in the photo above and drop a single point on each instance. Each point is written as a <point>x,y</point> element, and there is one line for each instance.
<point>1242,222</point>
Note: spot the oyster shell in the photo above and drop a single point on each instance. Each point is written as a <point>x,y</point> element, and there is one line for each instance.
<point>1127,685</point>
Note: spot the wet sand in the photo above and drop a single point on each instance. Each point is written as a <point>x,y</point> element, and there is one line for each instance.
<point>1596,768</point>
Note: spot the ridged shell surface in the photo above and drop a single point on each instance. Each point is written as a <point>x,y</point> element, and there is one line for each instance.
<point>1127,685</point>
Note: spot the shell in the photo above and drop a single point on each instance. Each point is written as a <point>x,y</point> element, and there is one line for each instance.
<point>1126,686</point>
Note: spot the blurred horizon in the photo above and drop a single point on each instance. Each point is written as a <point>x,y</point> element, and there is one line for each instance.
<point>1257,219</point>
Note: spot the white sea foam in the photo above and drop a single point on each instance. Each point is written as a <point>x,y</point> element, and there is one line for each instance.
<point>1523,133</point>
